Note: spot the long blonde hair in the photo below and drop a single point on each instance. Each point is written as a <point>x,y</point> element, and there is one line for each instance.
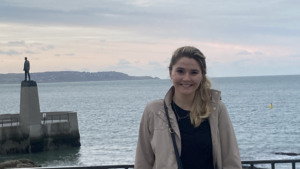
<point>201,107</point>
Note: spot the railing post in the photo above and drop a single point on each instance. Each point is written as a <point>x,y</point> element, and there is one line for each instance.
<point>252,166</point>
<point>10,121</point>
<point>293,165</point>
<point>51,119</point>
<point>273,165</point>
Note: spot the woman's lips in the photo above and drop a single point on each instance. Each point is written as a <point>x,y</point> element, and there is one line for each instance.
<point>186,85</point>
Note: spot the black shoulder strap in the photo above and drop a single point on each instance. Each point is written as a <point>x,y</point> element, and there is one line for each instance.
<point>173,138</point>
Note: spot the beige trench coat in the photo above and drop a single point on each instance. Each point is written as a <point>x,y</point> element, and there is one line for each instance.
<point>155,149</point>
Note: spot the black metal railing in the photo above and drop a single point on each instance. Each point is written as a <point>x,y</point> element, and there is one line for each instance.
<point>6,122</point>
<point>251,163</point>
<point>96,167</point>
<point>272,162</point>
<point>55,118</point>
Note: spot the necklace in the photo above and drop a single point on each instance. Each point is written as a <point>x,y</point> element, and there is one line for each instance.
<point>177,113</point>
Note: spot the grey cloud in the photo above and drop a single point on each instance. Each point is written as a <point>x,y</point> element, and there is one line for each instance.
<point>29,52</point>
<point>123,62</point>
<point>167,60</point>
<point>15,43</point>
<point>69,54</point>
<point>119,67</point>
<point>295,55</point>
<point>230,21</point>
<point>246,67</point>
<point>258,53</point>
<point>243,52</point>
<point>10,52</point>
<point>155,64</point>
<point>36,44</point>
<point>49,47</point>
<point>158,12</point>
<point>57,55</point>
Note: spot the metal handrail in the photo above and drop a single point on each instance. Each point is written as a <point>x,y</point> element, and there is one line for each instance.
<point>252,163</point>
<point>49,118</point>
<point>272,162</point>
<point>9,121</point>
<point>94,167</point>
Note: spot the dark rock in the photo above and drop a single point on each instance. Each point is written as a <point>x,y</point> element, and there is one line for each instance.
<point>288,154</point>
<point>22,163</point>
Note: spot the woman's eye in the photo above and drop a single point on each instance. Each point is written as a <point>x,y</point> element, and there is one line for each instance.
<point>180,71</point>
<point>194,73</point>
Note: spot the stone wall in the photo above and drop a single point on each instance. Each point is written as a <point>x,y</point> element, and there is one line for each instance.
<point>13,140</point>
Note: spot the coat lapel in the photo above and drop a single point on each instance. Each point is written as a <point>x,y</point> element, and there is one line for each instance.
<point>214,123</point>
<point>173,120</point>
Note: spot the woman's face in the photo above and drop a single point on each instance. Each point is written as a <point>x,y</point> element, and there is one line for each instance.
<point>186,76</point>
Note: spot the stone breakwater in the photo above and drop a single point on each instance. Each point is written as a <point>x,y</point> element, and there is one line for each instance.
<point>22,163</point>
<point>22,143</point>
<point>33,131</point>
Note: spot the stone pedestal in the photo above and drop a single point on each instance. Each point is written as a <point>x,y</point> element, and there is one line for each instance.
<point>29,106</point>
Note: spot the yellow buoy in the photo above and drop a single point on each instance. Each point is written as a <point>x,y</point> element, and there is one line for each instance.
<point>271,106</point>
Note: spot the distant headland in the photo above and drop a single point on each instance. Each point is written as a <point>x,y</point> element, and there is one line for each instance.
<point>70,76</point>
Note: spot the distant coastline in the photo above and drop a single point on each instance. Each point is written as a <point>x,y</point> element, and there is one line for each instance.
<point>70,76</point>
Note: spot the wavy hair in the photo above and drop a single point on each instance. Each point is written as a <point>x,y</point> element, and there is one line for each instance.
<point>201,107</point>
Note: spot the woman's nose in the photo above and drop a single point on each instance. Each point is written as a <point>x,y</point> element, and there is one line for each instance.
<point>186,76</point>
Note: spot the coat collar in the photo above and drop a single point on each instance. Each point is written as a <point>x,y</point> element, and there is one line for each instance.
<point>168,99</point>
<point>215,97</point>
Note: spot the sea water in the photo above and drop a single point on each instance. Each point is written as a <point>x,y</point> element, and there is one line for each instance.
<point>109,114</point>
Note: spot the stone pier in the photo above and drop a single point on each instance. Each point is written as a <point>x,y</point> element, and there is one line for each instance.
<point>34,131</point>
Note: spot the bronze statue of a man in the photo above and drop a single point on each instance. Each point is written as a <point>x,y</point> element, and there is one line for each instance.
<point>26,69</point>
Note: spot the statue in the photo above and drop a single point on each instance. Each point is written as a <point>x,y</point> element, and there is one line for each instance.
<point>26,69</point>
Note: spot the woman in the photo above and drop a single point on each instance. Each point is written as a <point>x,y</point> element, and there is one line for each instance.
<point>203,130</point>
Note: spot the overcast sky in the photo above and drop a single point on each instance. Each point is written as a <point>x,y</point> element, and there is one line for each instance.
<point>138,37</point>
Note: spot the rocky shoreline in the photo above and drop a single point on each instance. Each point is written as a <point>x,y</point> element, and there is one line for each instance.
<point>22,163</point>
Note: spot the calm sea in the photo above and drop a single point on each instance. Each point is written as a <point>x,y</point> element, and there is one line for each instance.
<point>109,114</point>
